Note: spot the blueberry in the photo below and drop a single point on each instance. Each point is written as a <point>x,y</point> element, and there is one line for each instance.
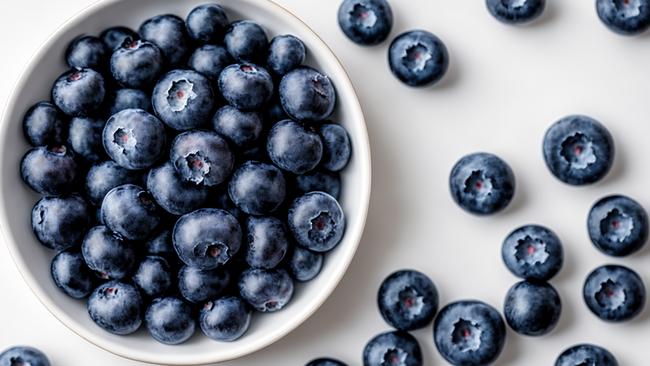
<point>586,354</point>
<point>87,52</point>
<point>71,275</point>
<point>60,222</point>
<point>198,285</point>
<point>129,99</point>
<point>316,221</point>
<point>207,23</point>
<point>533,252</point>
<point>325,361</point>
<point>618,225</point>
<point>106,253</point>
<point>304,265</point>
<point>202,157</point>
<point>578,150</point>
<point>114,37</point>
<point>318,180</point>
<point>267,242</point>
<point>614,293</point>
<point>104,176</point>
<point>23,356</point>
<point>161,244</point>
<point>130,211</point>
<point>366,22</point>
<point>469,333</point>
<point>293,147</point>
<point>482,183</point>
<point>44,124</point>
<point>266,290</point>
<point>183,99</point>
<point>307,95</point>
<point>418,58</point>
<point>225,319</point>
<point>134,139</point>
<point>79,92</point>
<point>516,11</point>
<point>246,41</point>
<point>153,276</point>
<point>336,147</point>
<point>407,300</point>
<point>116,307</point>
<point>286,52</point>
<point>274,111</point>
<point>246,86</point>
<point>49,170</point>
<point>136,64</point>
<point>207,238</point>
<point>392,348</point>
<point>626,17</point>
<point>532,308</point>
<point>257,188</point>
<point>85,138</point>
<point>172,193</point>
<point>168,32</point>
<point>210,60</point>
<point>241,128</point>
<point>169,320</point>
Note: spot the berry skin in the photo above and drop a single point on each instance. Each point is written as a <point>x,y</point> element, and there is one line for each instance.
<point>304,265</point>
<point>316,221</point>
<point>134,139</point>
<point>407,300</point>
<point>168,32</point>
<point>533,252</point>
<point>49,170</point>
<point>136,64</point>
<point>325,361</point>
<point>418,58</point>
<point>23,355</point>
<point>129,99</point>
<point>392,348</point>
<point>257,188</point>
<point>107,254</point>
<point>246,86</point>
<point>336,147</point>
<point>172,193</point>
<point>365,22</point>
<point>267,242</point>
<point>169,320</point>
<point>161,245</point>
<point>515,11</point>
<point>482,183</point>
<point>60,222</point>
<point>207,238</point>
<point>586,354</point>
<point>153,276</point>
<point>286,52</point>
<point>87,52</point>
<point>210,60</point>
<point>266,291</point>
<point>44,124</point>
<point>71,275</point>
<point>240,128</point>
<point>625,17</point>
<point>130,211</point>
<point>198,286</point>
<point>104,176</point>
<point>469,333</point>
<point>614,293</point>
<point>85,138</point>
<point>202,157</point>
<point>225,319</point>
<point>183,99</point>
<point>618,225</point>
<point>79,92</point>
<point>318,180</point>
<point>116,307</point>
<point>532,308</point>
<point>114,37</point>
<point>307,95</point>
<point>207,23</point>
<point>246,41</point>
<point>578,150</point>
<point>293,147</point>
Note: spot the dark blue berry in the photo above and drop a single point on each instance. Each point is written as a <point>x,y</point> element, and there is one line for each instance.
<point>293,147</point>
<point>49,170</point>
<point>614,293</point>
<point>532,308</point>
<point>246,86</point>
<point>246,41</point>
<point>207,23</point>
<point>618,225</point>
<point>44,124</point>
<point>172,193</point>
<point>85,138</point>
<point>106,253</point>
<point>161,244</point>
<point>365,22</point>
<point>198,285</point>
<point>307,95</point>
<point>316,221</point>
<point>116,307</point>
<point>515,11</point>
<point>257,188</point>
<point>210,60</point>
<point>304,265</point>
<point>586,354</point>
<point>23,356</point>
<point>407,300</point>
<point>129,99</point>
<point>114,37</point>
<point>533,252</point>
<point>318,180</point>
<point>153,276</point>
<point>225,319</point>
<point>104,176</point>
<point>79,92</point>
<point>418,58</point>
<point>136,64</point>
<point>267,242</point>
<point>170,321</point>
<point>168,32</point>
<point>286,52</point>
<point>336,147</point>
<point>241,128</point>
<point>130,211</point>
<point>392,348</point>
<point>71,275</point>
<point>202,157</point>
<point>626,17</point>
<point>60,222</point>
<point>266,290</point>
<point>87,52</point>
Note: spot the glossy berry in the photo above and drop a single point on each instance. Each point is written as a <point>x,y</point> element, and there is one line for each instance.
<point>365,22</point>
<point>116,307</point>
<point>107,254</point>
<point>257,188</point>
<point>129,99</point>
<point>202,157</point>
<point>533,252</point>
<point>515,11</point>
<point>578,150</point>
<point>392,348</point>
<point>87,52</point>
<point>104,176</point>
<point>168,32</point>
<point>71,275</point>
<point>307,95</point>
<point>225,319</point>
<point>130,211</point>
<point>286,52</point>
<point>241,128</point>
<point>207,23</point>
<point>618,225</point>
<point>85,138</point>
<point>153,276</point>
<point>23,355</point>
<point>318,180</point>
<point>49,170</point>
<point>210,60</point>
<point>336,147</point>
<point>267,242</point>
<point>79,92</point>
<point>316,221</point>
<point>174,194</point>
<point>418,58</point>
<point>304,265</point>
<point>198,286</point>
<point>266,290</point>
<point>246,41</point>
<point>586,354</point>
<point>614,293</point>
<point>626,17</point>
<point>532,308</point>
<point>482,183</point>
<point>293,147</point>
<point>136,64</point>
<point>114,37</point>
<point>246,86</point>
<point>325,361</point>
<point>44,124</point>
<point>170,321</point>
<point>469,333</point>
<point>407,300</point>
<point>60,222</point>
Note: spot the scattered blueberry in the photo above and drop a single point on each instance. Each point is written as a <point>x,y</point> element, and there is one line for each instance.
<point>110,256</point>
<point>114,37</point>
<point>586,354</point>
<point>257,188</point>
<point>136,64</point>
<point>267,242</point>
<point>516,11</point>
<point>23,356</point>
<point>225,319</point>
<point>210,60</point>
<point>183,99</point>
<point>168,32</point>
<point>202,157</point>
<point>318,180</point>
<point>44,124</point>
<point>71,275</point>
<point>304,265</point>
<point>104,176</point>
<point>392,348</point>
<point>116,307</point>
<point>532,308</point>
<point>618,225</point>
<point>407,300</point>
<point>266,290</point>
<point>130,211</point>
<point>336,147</point>
<point>153,276</point>
<point>293,147</point>
<point>172,193</point>
<point>241,128</point>
<point>198,285</point>
<point>87,52</point>
<point>246,86</point>
<point>79,92</point>
<point>129,99</point>
<point>366,22</point>
<point>317,221</point>
<point>418,58</point>
<point>307,95</point>
<point>49,170</point>
<point>286,52</point>
<point>533,252</point>
<point>325,361</point>
<point>85,138</point>
<point>614,293</point>
<point>246,41</point>
<point>626,17</point>
<point>169,320</point>
<point>207,23</point>
<point>60,222</point>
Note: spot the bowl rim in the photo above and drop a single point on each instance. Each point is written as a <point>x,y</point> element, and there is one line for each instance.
<point>354,236</point>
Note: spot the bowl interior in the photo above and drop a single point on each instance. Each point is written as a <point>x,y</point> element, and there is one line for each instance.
<point>16,200</point>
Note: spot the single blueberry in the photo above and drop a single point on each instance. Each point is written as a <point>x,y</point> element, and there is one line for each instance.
<point>71,275</point>
<point>266,290</point>
<point>172,193</point>
<point>104,176</point>
<point>336,147</point>
<point>153,276</point>
<point>168,32</point>
<point>418,58</point>
<point>318,180</point>
<point>241,128</point>
<point>304,265</point>
<point>210,60</point>
<point>407,300</point>
<point>533,252</point>
<point>614,293</point>
<point>618,225</point>
<point>85,138</point>
<point>87,52</point>
<point>60,222</point>
<point>515,11</point>
<point>225,319</point>
<point>392,348</point>
<point>246,86</point>
<point>130,211</point>
<point>116,307</point>
<point>49,170</point>
<point>532,308</point>
<point>114,37</point>
<point>286,52</point>
<point>129,99</point>
<point>578,150</point>
<point>316,221</point>
<point>44,124</point>
<point>365,22</point>
<point>79,92</point>
<point>325,361</point>
<point>136,64</point>
<point>110,256</point>
<point>307,95</point>
<point>586,354</point>
<point>170,321</point>
<point>626,17</point>
<point>202,157</point>
<point>207,23</point>
<point>257,188</point>
<point>161,244</point>
<point>23,356</point>
<point>246,41</point>
<point>267,242</point>
<point>198,285</point>
<point>293,147</point>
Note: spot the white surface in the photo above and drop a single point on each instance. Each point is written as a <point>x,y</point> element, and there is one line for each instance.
<point>505,86</point>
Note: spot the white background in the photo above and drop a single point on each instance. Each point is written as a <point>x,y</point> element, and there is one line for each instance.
<point>504,87</point>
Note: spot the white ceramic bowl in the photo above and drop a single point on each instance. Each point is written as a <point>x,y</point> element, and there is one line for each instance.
<point>16,200</point>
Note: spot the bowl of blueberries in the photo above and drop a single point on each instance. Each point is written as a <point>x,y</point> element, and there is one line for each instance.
<point>185,182</point>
